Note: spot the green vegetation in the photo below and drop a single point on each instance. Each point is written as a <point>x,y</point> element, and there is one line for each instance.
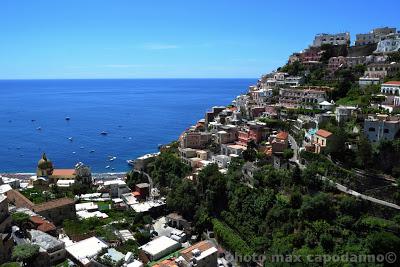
<point>230,239</point>
<point>25,253</point>
<point>290,212</point>
<point>11,264</point>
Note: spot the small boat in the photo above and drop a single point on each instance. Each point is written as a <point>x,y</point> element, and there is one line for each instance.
<point>113,169</point>
<point>33,120</point>
<point>130,162</point>
<point>74,152</point>
<point>113,158</point>
<point>92,151</point>
<point>108,166</point>
<point>70,139</point>
<point>39,128</point>
<point>103,133</point>
<point>67,118</point>
<point>82,147</point>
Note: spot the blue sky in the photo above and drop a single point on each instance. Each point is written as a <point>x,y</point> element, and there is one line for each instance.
<point>47,39</point>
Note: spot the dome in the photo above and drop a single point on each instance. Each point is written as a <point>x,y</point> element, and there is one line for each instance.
<point>44,163</point>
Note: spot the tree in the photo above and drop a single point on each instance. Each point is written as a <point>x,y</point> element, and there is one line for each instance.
<point>25,253</point>
<point>250,154</point>
<point>183,198</point>
<point>317,207</point>
<point>382,243</point>
<point>296,199</point>
<point>21,219</point>
<point>365,153</point>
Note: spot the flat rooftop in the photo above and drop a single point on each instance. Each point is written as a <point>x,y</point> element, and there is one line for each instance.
<point>158,245</point>
<point>86,249</point>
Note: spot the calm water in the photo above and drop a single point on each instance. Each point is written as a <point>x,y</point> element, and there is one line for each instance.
<point>137,114</point>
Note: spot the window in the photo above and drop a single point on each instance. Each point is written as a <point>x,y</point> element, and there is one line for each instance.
<point>386,130</point>
<point>371,129</point>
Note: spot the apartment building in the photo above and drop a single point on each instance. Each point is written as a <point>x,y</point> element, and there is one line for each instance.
<point>373,36</point>
<point>302,96</point>
<point>381,127</point>
<point>333,39</point>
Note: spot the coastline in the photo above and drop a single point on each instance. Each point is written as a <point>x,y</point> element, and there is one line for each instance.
<point>97,175</point>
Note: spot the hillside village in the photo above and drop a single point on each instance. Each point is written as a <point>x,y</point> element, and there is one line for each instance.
<point>305,162</point>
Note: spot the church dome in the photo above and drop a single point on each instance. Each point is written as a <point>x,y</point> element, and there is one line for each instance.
<point>44,163</point>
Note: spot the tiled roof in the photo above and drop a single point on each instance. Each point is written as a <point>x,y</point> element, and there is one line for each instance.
<point>166,263</point>
<point>282,135</point>
<point>323,133</point>
<point>202,246</point>
<point>46,227</point>
<point>61,172</point>
<point>392,83</point>
<point>53,204</point>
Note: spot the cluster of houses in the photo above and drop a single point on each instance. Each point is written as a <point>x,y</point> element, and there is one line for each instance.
<point>225,132</point>
<point>173,238</point>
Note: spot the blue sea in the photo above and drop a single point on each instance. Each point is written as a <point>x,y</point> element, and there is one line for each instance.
<point>137,114</point>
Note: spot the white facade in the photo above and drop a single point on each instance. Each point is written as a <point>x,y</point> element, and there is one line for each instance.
<point>160,247</point>
<point>365,81</point>
<point>391,88</point>
<point>333,39</point>
<point>116,188</point>
<point>390,44</point>
<point>381,128</point>
<point>85,250</point>
<point>221,160</point>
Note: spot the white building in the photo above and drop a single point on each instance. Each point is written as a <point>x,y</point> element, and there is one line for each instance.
<point>116,188</point>
<point>373,36</point>
<point>221,160</point>
<point>391,88</point>
<point>52,246</point>
<point>233,149</point>
<point>301,97</point>
<point>85,250</point>
<point>333,39</point>
<point>202,254</point>
<point>381,127</point>
<point>344,113</point>
<point>389,44</point>
<point>160,247</point>
<point>365,81</point>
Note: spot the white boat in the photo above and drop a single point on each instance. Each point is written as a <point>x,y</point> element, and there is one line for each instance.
<point>70,139</point>
<point>108,166</point>
<point>39,128</point>
<point>103,133</point>
<point>130,162</point>
<point>74,152</point>
<point>113,158</point>
<point>92,151</point>
<point>67,118</point>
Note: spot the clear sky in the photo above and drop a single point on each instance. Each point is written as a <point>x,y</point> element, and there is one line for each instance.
<point>170,38</point>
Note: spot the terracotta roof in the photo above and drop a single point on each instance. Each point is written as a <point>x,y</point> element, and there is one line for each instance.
<point>166,263</point>
<point>136,193</point>
<point>46,227</point>
<point>202,246</point>
<point>61,172</point>
<point>42,224</point>
<point>282,135</point>
<point>37,220</point>
<point>53,204</point>
<point>323,133</point>
<point>392,83</point>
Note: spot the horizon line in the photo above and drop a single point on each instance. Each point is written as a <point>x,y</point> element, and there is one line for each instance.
<point>155,78</point>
